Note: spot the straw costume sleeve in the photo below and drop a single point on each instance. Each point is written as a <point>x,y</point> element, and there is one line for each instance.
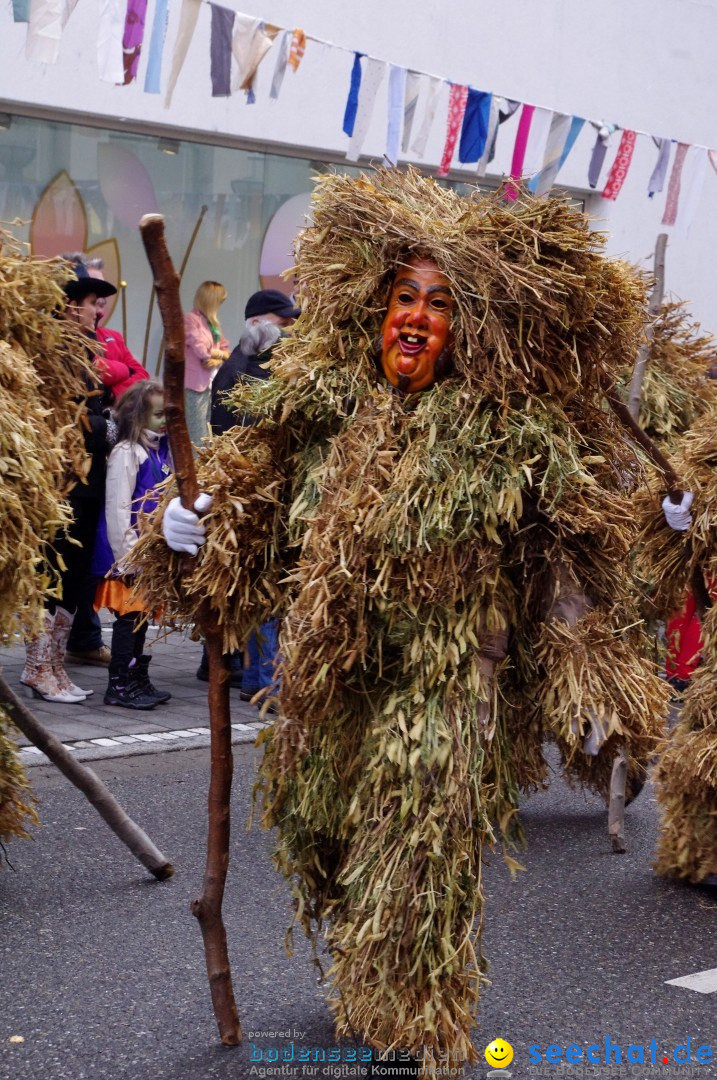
<point>122,470</point>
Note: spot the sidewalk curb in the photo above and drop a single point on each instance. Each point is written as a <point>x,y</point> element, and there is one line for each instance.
<point>31,757</point>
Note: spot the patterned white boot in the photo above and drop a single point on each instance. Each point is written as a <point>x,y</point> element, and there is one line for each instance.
<point>38,673</point>
<point>60,636</point>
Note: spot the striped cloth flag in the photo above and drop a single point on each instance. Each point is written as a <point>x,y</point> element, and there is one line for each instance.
<point>220,50</point>
<point>456,111</point>
<point>297,49</point>
<point>563,133</point>
<point>620,166</point>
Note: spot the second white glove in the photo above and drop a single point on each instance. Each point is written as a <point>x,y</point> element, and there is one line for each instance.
<point>677,515</point>
<point>181,528</point>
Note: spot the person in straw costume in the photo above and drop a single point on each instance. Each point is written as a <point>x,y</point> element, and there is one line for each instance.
<point>680,553</point>
<point>436,502</point>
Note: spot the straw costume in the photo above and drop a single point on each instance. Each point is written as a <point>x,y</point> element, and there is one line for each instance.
<point>686,777</point>
<point>42,371</point>
<point>451,569</point>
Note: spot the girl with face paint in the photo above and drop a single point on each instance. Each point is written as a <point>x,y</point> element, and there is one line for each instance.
<point>138,464</point>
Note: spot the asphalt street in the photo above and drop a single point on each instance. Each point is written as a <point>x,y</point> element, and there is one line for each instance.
<point>102,970</point>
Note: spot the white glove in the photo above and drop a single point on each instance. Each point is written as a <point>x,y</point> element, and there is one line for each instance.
<point>181,528</point>
<point>677,515</point>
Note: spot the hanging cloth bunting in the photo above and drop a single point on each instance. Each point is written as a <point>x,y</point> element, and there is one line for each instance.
<point>474,132</point>
<point>370,82</point>
<point>132,38</point>
<point>693,176</point>
<point>46,22</point>
<point>220,50</point>
<point>657,180</point>
<point>110,33</point>
<point>410,101</point>
<point>521,145</point>
<point>187,24</point>
<point>673,188</point>
<point>456,110</point>
<point>21,10</point>
<point>564,130</point>
<point>396,97</point>
<point>620,166</point>
<point>352,99</point>
<point>153,75</point>
<point>537,140</point>
<point>501,110</point>
<point>712,155</point>
<point>597,158</point>
<point>435,86</point>
<point>280,69</point>
<point>298,47</point>
<point>250,44</point>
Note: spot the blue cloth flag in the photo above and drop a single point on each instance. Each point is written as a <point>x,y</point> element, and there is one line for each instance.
<point>153,76</point>
<point>475,126</point>
<point>21,10</point>
<point>352,100</point>
<point>221,50</point>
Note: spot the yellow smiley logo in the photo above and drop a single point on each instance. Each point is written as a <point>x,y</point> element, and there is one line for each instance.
<point>499,1053</point>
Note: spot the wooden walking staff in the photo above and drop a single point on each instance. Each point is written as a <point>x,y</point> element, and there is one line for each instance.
<point>208,907</point>
<point>88,783</point>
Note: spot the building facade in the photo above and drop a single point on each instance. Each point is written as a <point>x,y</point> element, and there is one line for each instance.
<point>81,159</point>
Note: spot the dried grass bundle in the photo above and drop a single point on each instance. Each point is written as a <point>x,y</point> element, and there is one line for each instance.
<point>396,536</point>
<point>17,805</point>
<point>42,369</point>
<point>676,390</point>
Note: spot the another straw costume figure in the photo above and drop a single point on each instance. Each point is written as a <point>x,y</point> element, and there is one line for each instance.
<point>41,374</point>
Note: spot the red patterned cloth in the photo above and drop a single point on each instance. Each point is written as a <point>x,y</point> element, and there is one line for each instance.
<point>456,111</point>
<point>673,188</point>
<point>620,165</point>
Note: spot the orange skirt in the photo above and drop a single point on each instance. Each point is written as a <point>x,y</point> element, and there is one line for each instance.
<point>112,593</point>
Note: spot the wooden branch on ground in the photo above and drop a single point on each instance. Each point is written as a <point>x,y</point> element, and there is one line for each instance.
<point>208,907</point>
<point>643,354</point>
<point>616,809</point>
<point>88,783</point>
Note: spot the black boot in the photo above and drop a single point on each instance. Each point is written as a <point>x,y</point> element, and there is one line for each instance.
<point>124,690</point>
<point>140,671</point>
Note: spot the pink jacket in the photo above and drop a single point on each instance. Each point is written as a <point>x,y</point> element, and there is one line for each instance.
<point>118,368</point>
<point>198,343</point>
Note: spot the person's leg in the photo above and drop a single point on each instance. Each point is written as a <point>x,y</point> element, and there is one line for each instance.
<point>85,644</point>
<point>122,688</point>
<point>139,668</point>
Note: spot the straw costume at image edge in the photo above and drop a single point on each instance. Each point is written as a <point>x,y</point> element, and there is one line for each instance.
<point>42,375</point>
<point>451,568</point>
<point>686,777</point>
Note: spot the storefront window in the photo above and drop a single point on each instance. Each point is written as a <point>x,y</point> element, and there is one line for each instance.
<point>67,187</point>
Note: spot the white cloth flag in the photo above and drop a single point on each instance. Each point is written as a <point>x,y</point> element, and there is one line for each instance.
<point>396,97</point>
<point>44,30</point>
<point>557,137</point>
<point>250,44</point>
<point>110,31</point>
<point>371,79</point>
<point>410,102</point>
<point>693,180</point>
<point>435,86</point>
<point>187,24</point>
<point>537,139</point>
